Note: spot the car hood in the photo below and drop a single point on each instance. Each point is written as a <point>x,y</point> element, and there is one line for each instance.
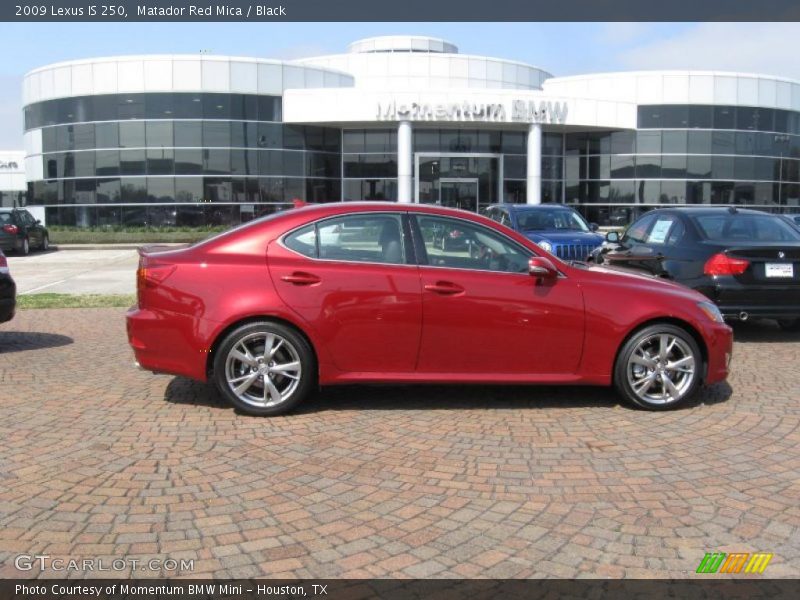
<point>630,277</point>
<point>564,237</point>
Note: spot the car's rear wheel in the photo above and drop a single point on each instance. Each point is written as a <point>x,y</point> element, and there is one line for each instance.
<point>659,367</point>
<point>264,368</point>
<point>25,247</point>
<point>45,243</point>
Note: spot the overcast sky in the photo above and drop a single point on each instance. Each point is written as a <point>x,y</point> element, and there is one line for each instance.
<point>561,48</point>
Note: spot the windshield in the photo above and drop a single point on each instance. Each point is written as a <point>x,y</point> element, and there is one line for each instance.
<point>551,220</point>
<point>742,227</point>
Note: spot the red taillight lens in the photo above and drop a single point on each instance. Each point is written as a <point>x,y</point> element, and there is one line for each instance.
<point>722,264</point>
<point>12,229</point>
<point>3,264</point>
<point>152,276</point>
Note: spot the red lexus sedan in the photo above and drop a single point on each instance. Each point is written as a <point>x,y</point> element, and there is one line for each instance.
<point>360,292</point>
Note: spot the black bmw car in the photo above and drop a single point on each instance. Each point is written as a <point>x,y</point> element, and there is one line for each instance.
<point>746,261</point>
<point>8,291</point>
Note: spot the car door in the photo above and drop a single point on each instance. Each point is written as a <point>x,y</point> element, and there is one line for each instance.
<point>484,315</point>
<point>353,280</point>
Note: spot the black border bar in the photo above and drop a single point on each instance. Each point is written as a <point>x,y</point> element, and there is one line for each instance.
<point>401,10</point>
<point>702,587</point>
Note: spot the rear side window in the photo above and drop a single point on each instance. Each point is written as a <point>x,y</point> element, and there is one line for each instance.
<point>352,238</point>
<point>303,241</point>
<point>745,228</point>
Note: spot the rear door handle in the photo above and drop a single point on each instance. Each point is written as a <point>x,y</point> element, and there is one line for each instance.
<point>445,288</point>
<point>301,278</point>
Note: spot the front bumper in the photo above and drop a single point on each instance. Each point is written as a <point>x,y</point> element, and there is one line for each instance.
<point>719,344</point>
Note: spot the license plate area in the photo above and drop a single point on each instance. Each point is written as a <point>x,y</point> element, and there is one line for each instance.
<point>779,270</point>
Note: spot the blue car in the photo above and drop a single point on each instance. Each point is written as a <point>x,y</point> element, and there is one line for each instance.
<point>559,229</point>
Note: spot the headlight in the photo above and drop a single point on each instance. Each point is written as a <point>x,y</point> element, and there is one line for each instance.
<point>711,311</point>
<point>546,245</point>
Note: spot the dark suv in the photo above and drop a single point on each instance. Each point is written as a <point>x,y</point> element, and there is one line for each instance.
<point>20,232</point>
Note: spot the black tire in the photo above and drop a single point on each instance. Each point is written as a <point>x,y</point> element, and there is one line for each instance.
<point>293,348</point>
<point>25,248</point>
<point>45,246</point>
<point>654,378</point>
<point>790,325</point>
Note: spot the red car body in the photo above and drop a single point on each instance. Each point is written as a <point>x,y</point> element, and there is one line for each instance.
<point>403,323</point>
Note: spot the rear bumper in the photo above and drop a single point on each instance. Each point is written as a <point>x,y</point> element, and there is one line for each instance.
<point>774,301</point>
<point>167,342</point>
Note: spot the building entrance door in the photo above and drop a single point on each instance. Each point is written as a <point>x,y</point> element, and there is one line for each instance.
<point>459,193</point>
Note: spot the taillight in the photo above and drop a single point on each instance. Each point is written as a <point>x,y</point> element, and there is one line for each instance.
<point>722,264</point>
<point>152,276</point>
<point>12,229</point>
<point>3,264</point>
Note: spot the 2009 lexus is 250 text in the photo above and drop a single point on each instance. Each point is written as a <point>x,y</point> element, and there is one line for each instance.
<point>360,292</point>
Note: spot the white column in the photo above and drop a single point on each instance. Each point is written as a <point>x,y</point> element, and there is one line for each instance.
<point>405,168</point>
<point>534,191</point>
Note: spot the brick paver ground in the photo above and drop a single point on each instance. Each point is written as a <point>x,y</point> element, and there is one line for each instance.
<point>100,460</point>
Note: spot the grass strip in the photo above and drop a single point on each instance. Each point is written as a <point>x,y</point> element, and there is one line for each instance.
<point>34,301</point>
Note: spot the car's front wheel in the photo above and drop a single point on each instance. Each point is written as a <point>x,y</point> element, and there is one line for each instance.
<point>659,367</point>
<point>264,368</point>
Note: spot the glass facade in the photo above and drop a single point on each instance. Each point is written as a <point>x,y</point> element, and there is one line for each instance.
<point>211,158</point>
<point>177,149</point>
<point>684,154</point>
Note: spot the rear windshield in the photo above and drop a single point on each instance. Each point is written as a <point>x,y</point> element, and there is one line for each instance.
<point>738,227</point>
<point>5,218</point>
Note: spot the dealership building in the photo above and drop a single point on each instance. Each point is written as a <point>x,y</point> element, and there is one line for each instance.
<point>203,139</point>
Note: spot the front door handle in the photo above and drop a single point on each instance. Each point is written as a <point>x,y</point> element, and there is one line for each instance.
<point>301,278</point>
<point>445,288</point>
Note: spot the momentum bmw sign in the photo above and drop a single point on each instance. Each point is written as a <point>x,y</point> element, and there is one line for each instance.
<point>523,111</point>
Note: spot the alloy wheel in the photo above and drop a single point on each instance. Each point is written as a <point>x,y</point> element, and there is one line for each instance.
<point>661,369</point>
<point>263,370</point>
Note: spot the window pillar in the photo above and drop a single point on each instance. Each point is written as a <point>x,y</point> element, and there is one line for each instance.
<point>534,187</point>
<point>405,170</point>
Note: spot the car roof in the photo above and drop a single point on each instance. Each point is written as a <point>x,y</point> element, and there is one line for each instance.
<point>709,210</point>
<point>513,206</point>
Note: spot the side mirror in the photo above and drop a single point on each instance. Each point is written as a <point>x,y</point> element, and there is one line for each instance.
<point>542,268</point>
<point>38,222</point>
<point>594,226</point>
<point>612,236</point>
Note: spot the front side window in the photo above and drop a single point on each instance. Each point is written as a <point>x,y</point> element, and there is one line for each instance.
<point>352,238</point>
<point>666,230</point>
<point>638,231</point>
<point>459,244</point>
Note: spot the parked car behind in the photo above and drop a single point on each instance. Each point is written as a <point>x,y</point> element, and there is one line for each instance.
<point>746,261</point>
<point>560,230</point>
<point>20,232</point>
<point>8,291</point>
<point>384,303</point>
